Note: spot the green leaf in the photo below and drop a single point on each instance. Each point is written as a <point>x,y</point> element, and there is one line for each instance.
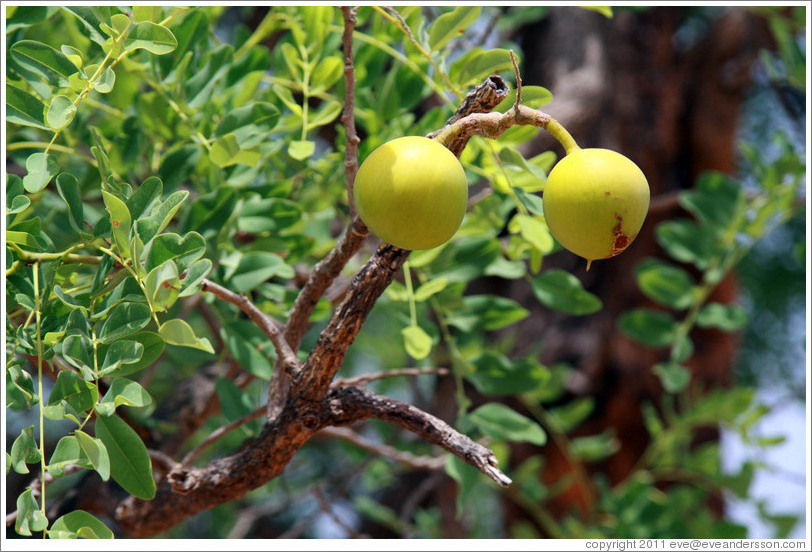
<point>163,286</point>
<point>194,277</point>
<point>105,82</point>
<point>268,215</point>
<point>148,13</point>
<point>572,414</point>
<point>25,16</point>
<point>19,388</point>
<point>123,392</point>
<point>466,477</point>
<point>29,517</point>
<point>79,524</point>
<point>532,96</point>
<point>496,374</point>
<point>179,332</point>
<point>121,352</point>
<point>715,200</point>
<point>91,18</point>
<point>425,291</point>
<point>22,238</point>
<point>649,327</point>
<point>252,119</point>
<point>234,402</point>
<point>17,204</point>
<point>68,188</point>
<point>473,66</point>
<point>124,319</point>
<point>668,285</point>
<point>49,63</point>
<point>533,202</point>
<point>96,452</point>
<point>451,25</point>
<point>152,37</point>
<point>326,114</point>
<point>67,452</point>
<point>152,345</point>
<point>501,422</point>
<point>301,149</point>
<point>593,448</point>
<point>152,225</point>
<point>24,450</point>
<point>560,290</point>
<point>41,168</point>
<point>724,317</point>
<point>416,341</point>
<point>121,221</point>
<point>673,376</point>
<point>182,251</point>
<point>487,312</point>
<point>534,231</point>
<point>60,112</point>
<point>130,465</point>
<point>257,267</point>
<point>226,151</point>
<point>70,395</point>
<point>327,73</point>
<point>77,351</point>
<point>23,108</point>
<point>249,347</point>
<point>606,11</point>
<point>685,241</point>
<point>144,197</point>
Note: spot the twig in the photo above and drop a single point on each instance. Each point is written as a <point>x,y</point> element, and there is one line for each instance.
<point>366,378</point>
<point>518,81</point>
<point>493,125</point>
<point>162,461</point>
<point>266,323</point>
<point>348,117</point>
<point>327,508</point>
<point>220,432</point>
<point>401,457</point>
<point>351,404</point>
<point>482,99</point>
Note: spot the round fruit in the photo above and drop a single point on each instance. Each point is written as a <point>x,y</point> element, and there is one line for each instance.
<point>411,192</point>
<point>595,201</point>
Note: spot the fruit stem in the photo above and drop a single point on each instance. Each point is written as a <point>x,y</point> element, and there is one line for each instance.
<point>560,133</point>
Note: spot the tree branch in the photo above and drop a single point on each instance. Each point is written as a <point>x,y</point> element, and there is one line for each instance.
<point>266,324</point>
<point>402,457</point>
<point>350,404</point>
<point>313,380</point>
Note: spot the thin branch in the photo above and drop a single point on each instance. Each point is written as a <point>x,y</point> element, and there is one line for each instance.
<point>220,432</point>
<point>402,457</point>
<point>266,323</point>
<point>162,461</point>
<point>518,81</point>
<point>348,117</point>
<point>364,379</point>
<point>351,404</point>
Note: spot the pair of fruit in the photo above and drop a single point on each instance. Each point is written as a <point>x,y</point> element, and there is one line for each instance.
<point>412,192</point>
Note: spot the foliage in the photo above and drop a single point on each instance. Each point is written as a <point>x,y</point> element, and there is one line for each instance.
<point>162,147</point>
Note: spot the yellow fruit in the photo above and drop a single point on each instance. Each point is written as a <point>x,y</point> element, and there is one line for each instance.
<point>411,192</point>
<point>595,201</point>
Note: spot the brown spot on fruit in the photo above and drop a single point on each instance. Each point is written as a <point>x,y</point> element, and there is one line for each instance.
<point>620,241</point>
